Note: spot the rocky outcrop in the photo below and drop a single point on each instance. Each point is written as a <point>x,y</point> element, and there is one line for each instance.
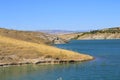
<point>54,39</point>
<point>58,40</point>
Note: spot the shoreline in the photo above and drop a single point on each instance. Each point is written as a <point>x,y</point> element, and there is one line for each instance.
<point>18,52</point>
<point>65,61</point>
<point>99,39</point>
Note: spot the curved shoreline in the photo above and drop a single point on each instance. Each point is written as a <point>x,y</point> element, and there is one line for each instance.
<point>46,61</point>
<point>18,52</point>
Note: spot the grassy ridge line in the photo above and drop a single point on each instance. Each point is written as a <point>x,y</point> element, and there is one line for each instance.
<point>32,36</point>
<point>13,50</point>
<point>24,35</point>
<point>108,33</point>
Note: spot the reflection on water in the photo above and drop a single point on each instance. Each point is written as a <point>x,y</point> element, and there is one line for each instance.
<point>15,71</point>
<point>36,72</point>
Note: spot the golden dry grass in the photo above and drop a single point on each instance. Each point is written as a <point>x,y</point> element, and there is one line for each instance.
<point>69,36</point>
<point>29,36</point>
<point>29,50</point>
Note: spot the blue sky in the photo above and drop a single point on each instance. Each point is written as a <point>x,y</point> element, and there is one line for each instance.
<point>59,14</point>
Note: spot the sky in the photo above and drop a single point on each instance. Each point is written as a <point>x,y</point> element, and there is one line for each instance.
<point>70,15</point>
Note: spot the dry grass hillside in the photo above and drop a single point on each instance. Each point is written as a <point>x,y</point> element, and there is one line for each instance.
<point>30,36</point>
<point>14,51</point>
<point>69,36</point>
<point>109,33</point>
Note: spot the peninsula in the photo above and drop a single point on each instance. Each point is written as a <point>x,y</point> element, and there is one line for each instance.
<point>28,47</point>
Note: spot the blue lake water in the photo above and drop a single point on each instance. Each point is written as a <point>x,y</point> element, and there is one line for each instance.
<point>105,66</point>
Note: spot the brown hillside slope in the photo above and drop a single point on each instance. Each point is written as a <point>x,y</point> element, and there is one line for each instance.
<point>109,33</point>
<point>69,36</point>
<point>13,51</point>
<point>36,37</point>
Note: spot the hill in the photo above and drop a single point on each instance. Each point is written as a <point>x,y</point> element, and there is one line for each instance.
<point>14,51</point>
<point>109,33</point>
<point>30,36</point>
<point>70,36</point>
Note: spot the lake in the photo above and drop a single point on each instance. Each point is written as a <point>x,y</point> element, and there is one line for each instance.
<point>105,66</point>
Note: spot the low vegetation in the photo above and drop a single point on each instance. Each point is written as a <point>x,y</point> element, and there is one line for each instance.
<point>19,51</point>
<point>109,33</point>
<point>31,36</point>
<point>109,30</point>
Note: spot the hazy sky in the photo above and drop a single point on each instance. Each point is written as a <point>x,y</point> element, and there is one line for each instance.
<point>59,14</point>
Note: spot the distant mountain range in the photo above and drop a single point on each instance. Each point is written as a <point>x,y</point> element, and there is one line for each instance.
<point>58,31</point>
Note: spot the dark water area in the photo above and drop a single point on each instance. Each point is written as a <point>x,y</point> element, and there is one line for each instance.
<point>105,66</point>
